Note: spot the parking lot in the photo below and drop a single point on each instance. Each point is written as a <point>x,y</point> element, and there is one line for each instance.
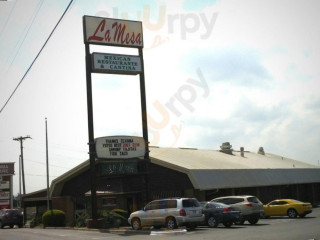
<point>272,228</point>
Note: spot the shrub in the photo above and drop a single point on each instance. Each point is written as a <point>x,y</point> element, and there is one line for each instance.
<point>54,218</point>
<point>35,221</point>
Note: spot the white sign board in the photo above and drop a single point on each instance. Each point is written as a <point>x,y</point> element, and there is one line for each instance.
<point>4,195</point>
<point>112,32</point>
<point>115,63</point>
<point>4,202</point>
<point>4,184</point>
<point>120,147</point>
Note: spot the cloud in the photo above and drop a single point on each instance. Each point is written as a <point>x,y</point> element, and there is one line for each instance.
<point>198,5</point>
<point>237,65</point>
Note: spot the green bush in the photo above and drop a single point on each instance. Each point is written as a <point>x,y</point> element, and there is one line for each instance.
<point>35,221</point>
<point>54,218</point>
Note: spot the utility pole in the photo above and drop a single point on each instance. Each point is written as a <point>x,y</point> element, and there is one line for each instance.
<point>47,157</point>
<point>20,139</point>
<point>20,205</point>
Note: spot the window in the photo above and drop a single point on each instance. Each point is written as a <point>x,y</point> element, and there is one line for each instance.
<point>190,203</point>
<point>108,201</point>
<point>253,200</point>
<point>222,200</point>
<point>234,201</point>
<point>210,205</point>
<point>152,206</point>
<point>273,204</point>
<point>172,204</point>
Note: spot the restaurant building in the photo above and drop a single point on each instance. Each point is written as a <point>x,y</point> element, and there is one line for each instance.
<point>183,172</point>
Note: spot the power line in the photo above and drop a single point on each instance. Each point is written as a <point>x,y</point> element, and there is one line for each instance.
<point>25,35</point>
<point>6,23</point>
<point>36,56</point>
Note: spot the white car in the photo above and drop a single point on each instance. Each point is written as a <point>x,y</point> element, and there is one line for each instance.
<point>250,206</point>
<point>170,213</point>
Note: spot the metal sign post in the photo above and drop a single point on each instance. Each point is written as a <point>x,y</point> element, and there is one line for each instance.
<point>119,33</point>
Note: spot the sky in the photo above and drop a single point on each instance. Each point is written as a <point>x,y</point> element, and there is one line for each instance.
<point>245,72</point>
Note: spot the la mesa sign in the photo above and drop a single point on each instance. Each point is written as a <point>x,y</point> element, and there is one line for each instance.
<point>120,147</point>
<point>116,32</point>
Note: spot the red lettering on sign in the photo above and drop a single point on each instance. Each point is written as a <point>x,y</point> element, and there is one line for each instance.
<point>117,34</point>
<point>101,26</point>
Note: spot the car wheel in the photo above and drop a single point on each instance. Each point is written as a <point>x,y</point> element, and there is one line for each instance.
<point>11,226</point>
<point>1,226</point>
<point>227,224</point>
<point>292,213</point>
<point>171,223</point>
<point>212,222</point>
<point>240,221</point>
<point>253,220</point>
<point>136,224</point>
<point>20,225</point>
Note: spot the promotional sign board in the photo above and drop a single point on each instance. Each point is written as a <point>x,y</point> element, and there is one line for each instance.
<point>4,204</point>
<point>4,195</point>
<point>120,147</point>
<point>112,32</point>
<point>6,168</point>
<point>4,184</point>
<point>115,63</point>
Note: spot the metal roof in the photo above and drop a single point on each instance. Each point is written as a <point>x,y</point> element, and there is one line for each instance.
<point>210,169</point>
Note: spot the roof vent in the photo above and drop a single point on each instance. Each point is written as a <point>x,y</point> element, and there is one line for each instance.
<point>226,148</point>
<point>261,151</point>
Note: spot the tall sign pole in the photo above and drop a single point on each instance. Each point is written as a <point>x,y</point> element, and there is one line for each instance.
<point>118,33</point>
<point>92,154</point>
<point>144,123</point>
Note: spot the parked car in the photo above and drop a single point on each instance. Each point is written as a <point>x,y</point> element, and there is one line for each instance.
<point>170,213</point>
<point>11,217</point>
<point>287,207</point>
<point>216,213</point>
<point>250,207</point>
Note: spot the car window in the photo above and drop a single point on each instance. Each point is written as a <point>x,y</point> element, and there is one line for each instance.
<point>190,203</point>
<point>172,204</point>
<point>253,200</point>
<point>152,206</point>
<point>274,203</point>
<point>222,200</point>
<point>220,205</point>
<point>234,200</point>
<point>282,203</point>
<point>162,204</point>
<point>210,206</point>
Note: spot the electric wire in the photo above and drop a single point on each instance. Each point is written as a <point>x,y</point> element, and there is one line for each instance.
<point>25,35</point>
<point>6,23</point>
<point>36,57</point>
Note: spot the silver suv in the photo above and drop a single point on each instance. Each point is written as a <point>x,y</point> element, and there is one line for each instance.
<point>170,213</point>
<point>250,206</point>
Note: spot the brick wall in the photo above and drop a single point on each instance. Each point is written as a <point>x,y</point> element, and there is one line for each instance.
<point>64,204</point>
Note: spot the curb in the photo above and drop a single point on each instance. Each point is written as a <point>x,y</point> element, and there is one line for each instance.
<point>127,231</point>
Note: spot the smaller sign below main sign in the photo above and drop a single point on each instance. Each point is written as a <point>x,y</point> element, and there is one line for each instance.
<point>6,168</point>
<point>4,184</point>
<point>116,63</point>
<point>120,147</point>
<point>4,195</point>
